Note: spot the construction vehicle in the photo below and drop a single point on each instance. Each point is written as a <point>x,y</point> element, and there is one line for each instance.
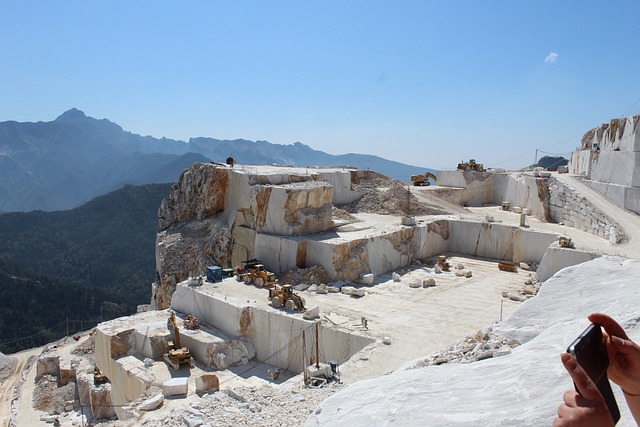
<point>565,242</point>
<point>176,355</point>
<point>254,272</point>
<point>283,296</point>
<point>98,376</point>
<point>191,322</point>
<point>423,180</point>
<point>443,263</point>
<point>471,165</point>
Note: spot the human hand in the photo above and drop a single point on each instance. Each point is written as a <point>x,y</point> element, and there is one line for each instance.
<point>586,408</point>
<point>624,355</point>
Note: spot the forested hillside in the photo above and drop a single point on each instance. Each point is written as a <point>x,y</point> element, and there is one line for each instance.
<point>75,264</point>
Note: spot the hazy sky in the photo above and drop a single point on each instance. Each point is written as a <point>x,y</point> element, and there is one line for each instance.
<point>427,83</point>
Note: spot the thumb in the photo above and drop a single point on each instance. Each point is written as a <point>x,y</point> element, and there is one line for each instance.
<point>585,386</point>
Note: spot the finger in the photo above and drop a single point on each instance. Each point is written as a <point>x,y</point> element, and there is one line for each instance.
<point>569,397</point>
<point>623,346</point>
<point>564,411</point>
<point>611,326</point>
<point>583,383</point>
<point>611,348</point>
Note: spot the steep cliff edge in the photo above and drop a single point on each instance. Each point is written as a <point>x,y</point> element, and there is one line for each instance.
<point>215,212</point>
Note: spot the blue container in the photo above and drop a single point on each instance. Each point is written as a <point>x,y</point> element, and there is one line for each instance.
<point>214,274</point>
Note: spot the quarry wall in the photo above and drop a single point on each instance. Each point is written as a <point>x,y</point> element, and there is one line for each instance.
<point>556,258</point>
<point>126,372</point>
<point>609,159</point>
<point>496,241</point>
<point>346,259</point>
<point>549,199</point>
<point>621,195</point>
<point>275,334</point>
<point>480,188</point>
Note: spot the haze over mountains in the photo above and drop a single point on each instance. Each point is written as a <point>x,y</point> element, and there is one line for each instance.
<point>62,164</point>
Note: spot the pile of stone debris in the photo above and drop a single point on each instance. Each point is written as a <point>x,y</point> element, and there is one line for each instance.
<point>393,201</point>
<point>482,344</point>
<point>6,366</point>
<point>265,406</point>
<point>530,288</point>
<point>49,397</point>
<point>311,275</point>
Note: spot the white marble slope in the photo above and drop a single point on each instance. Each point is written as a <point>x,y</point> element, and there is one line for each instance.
<point>523,388</point>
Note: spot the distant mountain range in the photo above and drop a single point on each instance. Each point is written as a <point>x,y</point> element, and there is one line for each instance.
<point>62,164</point>
<point>551,163</point>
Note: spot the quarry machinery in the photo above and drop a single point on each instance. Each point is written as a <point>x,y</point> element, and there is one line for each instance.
<point>255,273</point>
<point>443,263</point>
<point>176,355</point>
<point>98,376</point>
<point>283,296</point>
<point>423,180</point>
<point>471,165</point>
<point>565,242</point>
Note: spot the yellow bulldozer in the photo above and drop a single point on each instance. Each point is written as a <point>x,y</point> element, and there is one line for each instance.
<point>283,296</point>
<point>255,273</point>
<point>471,165</point>
<point>176,354</point>
<point>259,276</point>
<point>423,180</point>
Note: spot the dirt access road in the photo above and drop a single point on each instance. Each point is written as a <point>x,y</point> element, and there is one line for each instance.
<point>629,221</point>
<point>8,385</point>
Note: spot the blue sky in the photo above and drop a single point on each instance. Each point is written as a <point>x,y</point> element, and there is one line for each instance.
<point>427,83</point>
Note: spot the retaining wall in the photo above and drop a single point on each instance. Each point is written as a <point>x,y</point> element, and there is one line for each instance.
<point>620,195</point>
<point>569,207</point>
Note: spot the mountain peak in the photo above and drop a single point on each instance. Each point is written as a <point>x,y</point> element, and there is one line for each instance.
<point>72,115</point>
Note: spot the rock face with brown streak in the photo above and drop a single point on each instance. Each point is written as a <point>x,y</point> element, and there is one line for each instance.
<point>200,193</point>
<point>214,213</point>
<point>351,259</point>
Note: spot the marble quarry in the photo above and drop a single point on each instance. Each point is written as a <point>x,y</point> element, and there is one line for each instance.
<point>609,159</point>
<point>217,215</point>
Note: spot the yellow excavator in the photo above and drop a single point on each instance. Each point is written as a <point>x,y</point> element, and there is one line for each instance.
<point>176,355</point>
<point>423,180</point>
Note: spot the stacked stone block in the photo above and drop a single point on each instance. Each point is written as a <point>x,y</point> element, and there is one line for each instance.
<point>574,210</point>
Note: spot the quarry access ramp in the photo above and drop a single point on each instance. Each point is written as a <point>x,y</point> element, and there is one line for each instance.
<point>629,221</point>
